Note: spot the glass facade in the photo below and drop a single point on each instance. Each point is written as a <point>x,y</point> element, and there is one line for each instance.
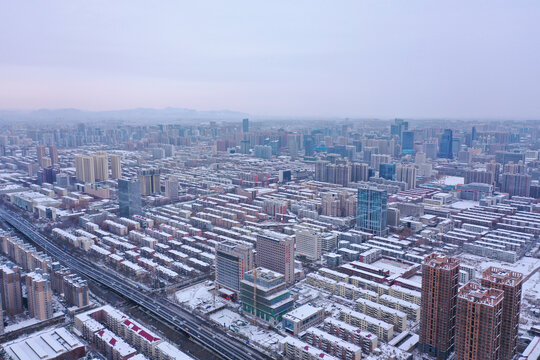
<point>445,146</point>
<point>372,210</point>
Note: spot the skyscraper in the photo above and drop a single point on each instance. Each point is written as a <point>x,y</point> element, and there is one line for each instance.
<point>41,153</point>
<point>275,251</point>
<point>149,180</point>
<point>309,145</point>
<point>407,142</point>
<point>116,166</point>
<point>101,166</point>
<point>510,282</point>
<point>232,261</point>
<point>129,197</point>
<point>84,167</point>
<point>387,171</point>
<point>38,288</point>
<point>371,213</point>
<point>445,145</point>
<point>10,281</point>
<point>479,321</point>
<point>440,282</point>
<point>309,244</point>
<point>245,125</point>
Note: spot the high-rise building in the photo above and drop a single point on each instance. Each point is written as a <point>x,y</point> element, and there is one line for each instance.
<point>359,172</point>
<point>387,171</point>
<point>371,210</point>
<point>479,322</point>
<point>440,282</point>
<point>430,148</point>
<point>116,166</point>
<point>445,145</point>
<point>407,174</point>
<point>10,281</point>
<point>244,146</point>
<point>269,288</point>
<point>129,197</point>
<point>84,167</point>
<point>76,290</point>
<point>321,170</point>
<point>309,244</point>
<point>309,145</point>
<point>263,151</point>
<point>407,142</point>
<point>149,180</point>
<point>516,184</point>
<point>171,188</point>
<point>232,261</point>
<point>101,166</point>
<point>479,176</point>
<point>510,282</point>
<point>245,125</point>
<point>275,251</point>
<point>41,152</point>
<point>378,159</point>
<point>38,289</point>
<point>53,153</point>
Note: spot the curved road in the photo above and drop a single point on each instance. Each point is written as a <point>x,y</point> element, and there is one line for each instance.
<point>215,339</point>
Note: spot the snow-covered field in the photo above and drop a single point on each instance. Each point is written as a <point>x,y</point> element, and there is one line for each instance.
<point>199,296</point>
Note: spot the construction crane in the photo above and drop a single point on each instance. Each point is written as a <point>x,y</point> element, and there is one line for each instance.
<point>255,297</point>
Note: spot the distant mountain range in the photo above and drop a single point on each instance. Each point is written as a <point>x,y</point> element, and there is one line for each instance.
<point>128,115</point>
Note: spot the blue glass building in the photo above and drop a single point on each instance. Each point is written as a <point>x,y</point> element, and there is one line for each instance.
<point>387,171</point>
<point>371,212</point>
<point>407,142</point>
<point>445,145</point>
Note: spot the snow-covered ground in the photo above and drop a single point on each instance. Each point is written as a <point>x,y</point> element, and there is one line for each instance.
<point>525,265</point>
<point>234,321</point>
<point>199,296</point>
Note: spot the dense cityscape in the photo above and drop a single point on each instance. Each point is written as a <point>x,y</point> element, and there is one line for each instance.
<point>258,239</point>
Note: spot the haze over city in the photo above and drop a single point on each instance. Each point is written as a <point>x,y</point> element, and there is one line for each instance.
<point>353,59</point>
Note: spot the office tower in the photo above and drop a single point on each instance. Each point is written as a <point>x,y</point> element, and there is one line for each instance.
<point>41,152</point>
<point>53,153</point>
<point>359,172</point>
<point>440,282</point>
<point>171,188</point>
<point>116,166</point>
<point>473,133</point>
<point>464,156</point>
<point>275,251</point>
<point>309,145</point>
<point>479,323</point>
<point>292,144</point>
<point>456,146</point>
<point>407,174</point>
<point>398,127</point>
<point>101,166</point>
<point>371,210</point>
<point>232,261</point>
<point>149,180</point>
<point>516,184</point>
<point>309,244</point>
<point>407,142</point>
<point>38,289</point>
<point>76,290</point>
<point>510,282</point>
<point>245,125</point>
<point>321,170</point>
<point>445,145</point>
<point>84,168</point>
<point>129,197</point>
<point>387,171</point>
<point>10,281</point>
<point>269,290</point>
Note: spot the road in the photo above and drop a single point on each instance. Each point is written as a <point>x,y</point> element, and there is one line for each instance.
<point>212,337</point>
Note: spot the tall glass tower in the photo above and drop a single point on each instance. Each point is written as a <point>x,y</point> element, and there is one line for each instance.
<point>129,197</point>
<point>371,214</point>
<point>445,146</point>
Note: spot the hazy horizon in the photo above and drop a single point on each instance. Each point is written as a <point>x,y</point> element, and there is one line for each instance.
<point>373,59</point>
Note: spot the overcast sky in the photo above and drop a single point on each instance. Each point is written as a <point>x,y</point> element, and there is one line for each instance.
<point>355,58</point>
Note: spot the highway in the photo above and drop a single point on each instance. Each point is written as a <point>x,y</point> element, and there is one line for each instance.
<point>215,338</point>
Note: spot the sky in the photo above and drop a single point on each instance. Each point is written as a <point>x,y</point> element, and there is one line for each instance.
<point>358,58</point>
